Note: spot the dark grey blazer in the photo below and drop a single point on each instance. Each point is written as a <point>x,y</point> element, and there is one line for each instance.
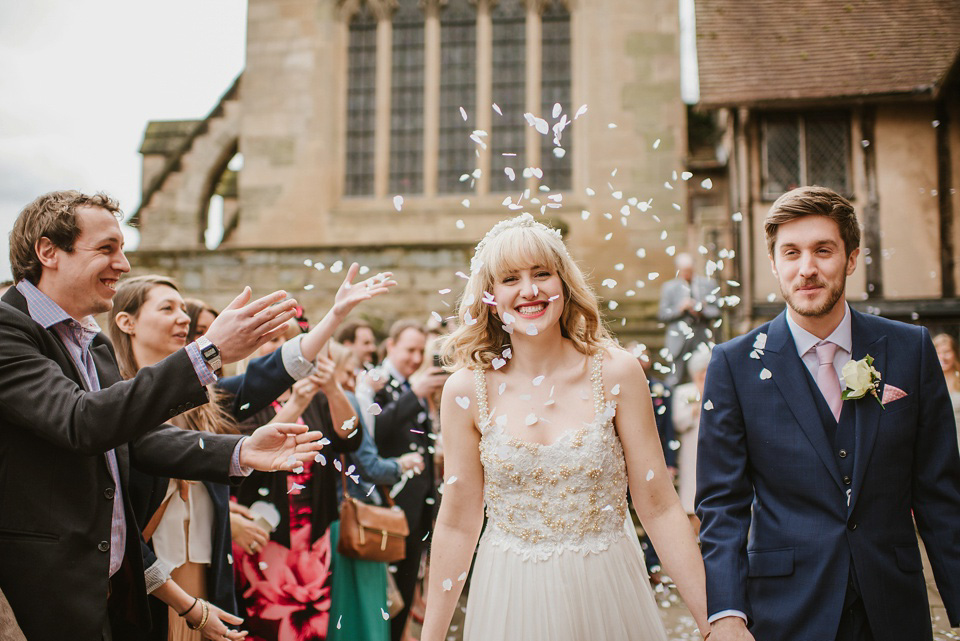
<point>56,493</point>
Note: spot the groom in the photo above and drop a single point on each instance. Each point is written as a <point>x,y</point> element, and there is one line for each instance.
<point>806,498</point>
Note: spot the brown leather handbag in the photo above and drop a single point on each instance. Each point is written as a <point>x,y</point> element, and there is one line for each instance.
<point>371,532</point>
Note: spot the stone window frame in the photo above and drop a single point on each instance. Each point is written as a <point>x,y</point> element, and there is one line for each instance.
<point>482,114</point>
<point>771,191</point>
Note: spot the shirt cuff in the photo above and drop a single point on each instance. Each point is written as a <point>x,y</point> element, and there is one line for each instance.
<point>726,613</point>
<point>156,575</point>
<point>204,373</point>
<point>293,361</point>
<point>235,468</point>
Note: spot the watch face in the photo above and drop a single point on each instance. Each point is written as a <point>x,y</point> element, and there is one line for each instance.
<point>210,352</point>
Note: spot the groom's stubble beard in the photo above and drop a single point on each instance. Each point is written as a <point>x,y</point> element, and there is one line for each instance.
<point>834,294</point>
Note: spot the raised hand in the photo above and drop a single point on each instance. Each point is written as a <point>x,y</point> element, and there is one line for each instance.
<point>243,326</point>
<point>350,295</point>
<point>280,446</point>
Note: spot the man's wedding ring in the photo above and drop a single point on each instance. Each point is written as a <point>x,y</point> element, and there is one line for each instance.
<point>254,546</point>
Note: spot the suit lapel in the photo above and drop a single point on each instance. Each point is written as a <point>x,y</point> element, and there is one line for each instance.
<point>789,373</point>
<point>107,370</point>
<point>868,409</point>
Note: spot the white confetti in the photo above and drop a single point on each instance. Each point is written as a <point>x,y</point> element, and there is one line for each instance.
<point>656,143</point>
<point>295,488</point>
<point>463,114</point>
<point>437,317</point>
<point>374,410</point>
<point>447,585</point>
<point>582,110</point>
<point>686,175</point>
<point>398,202</point>
<point>538,380</point>
<point>737,217</point>
<point>650,475</point>
<point>263,491</point>
<point>462,577</point>
<point>508,318</point>
<point>463,402</point>
<point>497,363</point>
<point>761,341</point>
<point>532,330</point>
<point>320,458</point>
<point>511,174</point>
<point>496,108</point>
<point>531,419</point>
<point>444,292</point>
<point>507,352</point>
<point>765,374</point>
<point>708,405</point>
<point>615,390</point>
<point>501,389</point>
<point>201,444</point>
<point>707,183</point>
<point>452,480</point>
<point>460,224</point>
<point>263,566</point>
<point>337,267</point>
<point>465,202</point>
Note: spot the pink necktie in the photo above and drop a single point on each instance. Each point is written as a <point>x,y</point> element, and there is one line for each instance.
<point>827,379</point>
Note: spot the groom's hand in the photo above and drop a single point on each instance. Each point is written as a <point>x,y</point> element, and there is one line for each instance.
<point>731,628</point>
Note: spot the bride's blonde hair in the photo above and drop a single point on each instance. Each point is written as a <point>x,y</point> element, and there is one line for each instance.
<point>515,244</point>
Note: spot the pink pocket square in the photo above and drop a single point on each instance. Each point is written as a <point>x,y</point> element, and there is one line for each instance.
<point>891,393</point>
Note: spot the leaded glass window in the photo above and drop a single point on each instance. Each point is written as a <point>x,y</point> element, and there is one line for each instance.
<point>807,149</point>
<point>509,86</point>
<point>361,103</point>
<point>458,78</point>
<point>555,87</point>
<point>406,100</point>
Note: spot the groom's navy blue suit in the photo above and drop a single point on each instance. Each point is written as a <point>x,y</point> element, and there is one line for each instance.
<point>783,542</point>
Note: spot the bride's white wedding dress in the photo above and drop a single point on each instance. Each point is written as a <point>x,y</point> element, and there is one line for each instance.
<point>559,559</point>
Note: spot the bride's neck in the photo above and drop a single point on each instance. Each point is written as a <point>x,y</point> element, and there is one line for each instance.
<point>536,354</point>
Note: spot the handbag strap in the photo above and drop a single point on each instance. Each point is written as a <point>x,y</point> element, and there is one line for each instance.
<point>154,523</point>
<point>384,490</point>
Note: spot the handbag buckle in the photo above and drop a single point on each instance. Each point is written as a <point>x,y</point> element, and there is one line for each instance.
<point>383,542</point>
<point>362,537</point>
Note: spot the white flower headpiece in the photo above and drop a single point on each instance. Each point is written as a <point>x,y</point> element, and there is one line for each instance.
<point>523,220</point>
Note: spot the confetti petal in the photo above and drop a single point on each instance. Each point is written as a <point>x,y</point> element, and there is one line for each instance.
<point>708,405</point>
<point>531,419</point>
<point>497,363</point>
<point>765,374</point>
<point>398,202</point>
<point>538,380</point>
<point>374,410</point>
<point>463,402</point>
<point>650,475</point>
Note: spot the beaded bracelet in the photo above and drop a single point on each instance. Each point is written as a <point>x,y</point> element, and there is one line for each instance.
<point>187,611</point>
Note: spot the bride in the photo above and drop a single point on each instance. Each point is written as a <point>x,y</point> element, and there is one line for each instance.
<point>548,422</point>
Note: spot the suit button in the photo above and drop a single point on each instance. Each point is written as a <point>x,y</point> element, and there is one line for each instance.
<point>851,526</point>
<point>103,546</point>
<point>189,406</point>
<point>108,493</point>
<point>847,480</point>
<point>843,454</point>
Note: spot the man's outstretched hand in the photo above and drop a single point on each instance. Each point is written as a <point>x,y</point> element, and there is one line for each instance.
<point>244,326</point>
<point>280,446</point>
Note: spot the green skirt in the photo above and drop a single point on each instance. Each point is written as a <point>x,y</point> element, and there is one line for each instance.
<point>359,597</point>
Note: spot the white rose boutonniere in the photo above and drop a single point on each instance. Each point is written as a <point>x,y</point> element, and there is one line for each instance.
<point>861,378</point>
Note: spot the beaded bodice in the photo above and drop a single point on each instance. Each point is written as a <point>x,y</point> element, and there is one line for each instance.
<point>542,500</point>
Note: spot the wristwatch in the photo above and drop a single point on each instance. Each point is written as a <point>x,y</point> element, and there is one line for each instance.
<point>210,353</point>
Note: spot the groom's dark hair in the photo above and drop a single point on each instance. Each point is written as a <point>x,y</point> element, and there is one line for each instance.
<point>813,201</point>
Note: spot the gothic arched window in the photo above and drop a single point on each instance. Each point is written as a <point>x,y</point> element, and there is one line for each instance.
<point>439,60</point>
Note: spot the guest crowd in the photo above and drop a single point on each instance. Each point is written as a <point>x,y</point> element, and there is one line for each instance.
<point>229,526</point>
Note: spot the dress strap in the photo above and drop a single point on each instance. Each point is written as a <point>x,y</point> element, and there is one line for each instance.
<point>480,380</point>
<point>596,378</point>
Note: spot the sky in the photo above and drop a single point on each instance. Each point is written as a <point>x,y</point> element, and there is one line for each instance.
<point>80,80</point>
